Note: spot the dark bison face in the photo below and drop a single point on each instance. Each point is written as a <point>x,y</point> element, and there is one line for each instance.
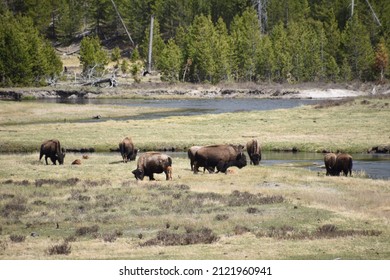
<point>241,160</point>
<point>256,159</point>
<point>139,174</point>
<point>134,155</point>
<point>61,158</point>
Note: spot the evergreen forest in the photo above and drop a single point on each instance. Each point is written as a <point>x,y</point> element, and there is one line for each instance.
<point>196,41</point>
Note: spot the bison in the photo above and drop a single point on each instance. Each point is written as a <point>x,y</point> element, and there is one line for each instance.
<point>153,162</point>
<point>329,160</point>
<point>254,152</point>
<point>52,149</point>
<point>127,150</point>
<point>191,155</point>
<point>220,157</point>
<point>343,164</point>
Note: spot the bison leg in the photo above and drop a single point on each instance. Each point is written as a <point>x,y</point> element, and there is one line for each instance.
<point>196,167</point>
<point>151,178</point>
<point>53,159</point>
<point>46,160</point>
<point>222,167</point>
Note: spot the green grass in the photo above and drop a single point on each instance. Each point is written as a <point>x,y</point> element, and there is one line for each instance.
<point>352,127</point>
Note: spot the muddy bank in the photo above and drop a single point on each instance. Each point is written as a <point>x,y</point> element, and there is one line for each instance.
<point>162,90</point>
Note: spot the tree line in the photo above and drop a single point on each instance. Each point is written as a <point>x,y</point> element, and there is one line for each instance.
<point>203,40</point>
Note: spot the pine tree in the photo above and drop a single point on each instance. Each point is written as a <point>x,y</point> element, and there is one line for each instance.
<point>25,58</point>
<point>200,47</point>
<point>283,59</point>
<point>265,59</point>
<point>222,52</point>
<point>245,34</point>
<point>92,56</point>
<point>357,48</point>
<point>170,62</point>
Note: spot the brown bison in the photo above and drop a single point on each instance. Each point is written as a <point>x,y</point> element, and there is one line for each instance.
<point>191,155</point>
<point>343,164</point>
<point>254,152</point>
<point>220,157</point>
<point>52,149</point>
<point>153,162</point>
<point>329,160</point>
<point>127,150</point>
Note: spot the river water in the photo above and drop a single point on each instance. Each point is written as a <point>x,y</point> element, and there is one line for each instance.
<point>195,106</point>
<point>374,165</point>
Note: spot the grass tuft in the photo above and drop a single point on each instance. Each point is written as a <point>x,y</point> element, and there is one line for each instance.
<point>60,249</point>
<point>191,236</point>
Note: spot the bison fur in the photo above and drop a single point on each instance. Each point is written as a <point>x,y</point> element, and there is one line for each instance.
<point>219,156</point>
<point>127,149</point>
<point>254,152</point>
<point>52,149</point>
<point>153,162</point>
<point>330,161</point>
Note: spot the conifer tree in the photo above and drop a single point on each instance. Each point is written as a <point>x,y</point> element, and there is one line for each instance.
<point>357,48</point>
<point>92,56</point>
<point>283,59</point>
<point>25,58</point>
<point>170,62</point>
<point>200,47</point>
<point>265,59</point>
<point>245,34</point>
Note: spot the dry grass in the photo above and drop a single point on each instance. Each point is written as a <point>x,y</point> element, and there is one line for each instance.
<point>252,213</point>
<point>97,210</point>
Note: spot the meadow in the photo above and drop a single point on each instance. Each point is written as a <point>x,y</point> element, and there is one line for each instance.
<point>97,210</point>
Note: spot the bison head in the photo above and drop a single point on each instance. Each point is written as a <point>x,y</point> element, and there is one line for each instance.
<point>240,160</point>
<point>61,156</point>
<point>256,159</point>
<point>138,174</point>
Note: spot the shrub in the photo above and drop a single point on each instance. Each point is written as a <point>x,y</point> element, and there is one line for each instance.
<point>17,238</point>
<point>60,249</point>
<point>87,230</point>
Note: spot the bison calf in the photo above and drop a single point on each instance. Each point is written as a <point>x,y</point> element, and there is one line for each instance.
<point>52,149</point>
<point>153,162</point>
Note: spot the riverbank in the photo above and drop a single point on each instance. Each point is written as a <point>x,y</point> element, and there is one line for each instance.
<point>185,90</point>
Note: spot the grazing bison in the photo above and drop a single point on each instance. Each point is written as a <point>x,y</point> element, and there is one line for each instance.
<point>127,150</point>
<point>329,160</point>
<point>219,156</point>
<point>153,162</point>
<point>343,164</point>
<point>254,152</point>
<point>52,149</point>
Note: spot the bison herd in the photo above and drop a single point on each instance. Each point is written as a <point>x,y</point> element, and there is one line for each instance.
<point>211,158</point>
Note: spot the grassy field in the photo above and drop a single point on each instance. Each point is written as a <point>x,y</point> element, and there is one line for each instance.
<point>97,210</point>
<point>354,126</point>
